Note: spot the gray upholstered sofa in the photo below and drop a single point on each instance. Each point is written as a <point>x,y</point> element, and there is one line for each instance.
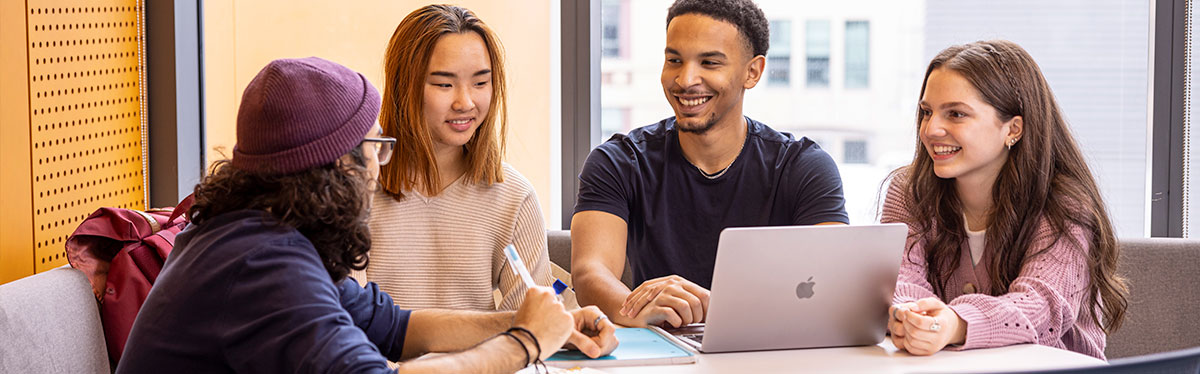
<point>1164,305</point>
<point>50,323</point>
<point>1164,302</point>
<point>558,242</point>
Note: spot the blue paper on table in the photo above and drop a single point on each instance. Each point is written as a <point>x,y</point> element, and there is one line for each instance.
<point>638,346</point>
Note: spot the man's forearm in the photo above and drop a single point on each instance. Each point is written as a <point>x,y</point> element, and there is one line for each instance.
<point>598,257</point>
<point>436,330</point>
<point>500,354</point>
<point>600,288</point>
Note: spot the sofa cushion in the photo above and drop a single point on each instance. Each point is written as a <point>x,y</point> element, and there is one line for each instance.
<point>50,323</point>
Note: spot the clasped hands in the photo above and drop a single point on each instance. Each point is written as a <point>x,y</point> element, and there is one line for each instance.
<point>670,300</point>
<point>925,326</point>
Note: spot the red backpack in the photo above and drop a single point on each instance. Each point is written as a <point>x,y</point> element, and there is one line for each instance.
<point>122,252</point>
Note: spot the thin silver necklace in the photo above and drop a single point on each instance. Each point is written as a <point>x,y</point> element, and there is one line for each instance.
<point>722,172</point>
<point>714,176</point>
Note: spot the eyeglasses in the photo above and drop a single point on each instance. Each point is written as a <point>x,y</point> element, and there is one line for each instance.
<point>384,145</point>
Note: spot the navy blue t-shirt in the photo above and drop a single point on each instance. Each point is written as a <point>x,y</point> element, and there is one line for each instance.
<point>243,294</point>
<point>675,214</point>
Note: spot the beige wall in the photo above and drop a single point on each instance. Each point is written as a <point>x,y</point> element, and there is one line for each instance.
<point>240,37</point>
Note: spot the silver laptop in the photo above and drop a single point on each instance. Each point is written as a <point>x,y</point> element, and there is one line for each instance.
<point>800,287</point>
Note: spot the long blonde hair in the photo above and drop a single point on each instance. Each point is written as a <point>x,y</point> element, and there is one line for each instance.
<point>405,64</point>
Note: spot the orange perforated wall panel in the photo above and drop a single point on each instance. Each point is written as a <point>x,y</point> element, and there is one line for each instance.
<point>85,129</point>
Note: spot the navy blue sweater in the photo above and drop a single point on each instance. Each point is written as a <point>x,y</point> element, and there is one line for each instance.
<point>242,293</point>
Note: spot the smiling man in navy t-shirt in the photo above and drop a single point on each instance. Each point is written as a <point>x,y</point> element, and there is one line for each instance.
<point>662,194</point>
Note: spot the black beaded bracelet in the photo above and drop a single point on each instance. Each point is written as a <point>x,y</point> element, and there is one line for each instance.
<point>523,347</point>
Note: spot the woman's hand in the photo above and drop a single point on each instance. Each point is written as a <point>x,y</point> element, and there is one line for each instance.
<point>896,323</point>
<point>928,326</point>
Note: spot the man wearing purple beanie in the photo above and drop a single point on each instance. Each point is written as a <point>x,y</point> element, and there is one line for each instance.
<point>259,282</point>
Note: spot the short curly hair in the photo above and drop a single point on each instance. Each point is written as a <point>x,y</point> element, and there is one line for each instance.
<point>750,21</point>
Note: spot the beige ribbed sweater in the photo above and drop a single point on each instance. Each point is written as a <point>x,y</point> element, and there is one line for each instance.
<point>446,251</point>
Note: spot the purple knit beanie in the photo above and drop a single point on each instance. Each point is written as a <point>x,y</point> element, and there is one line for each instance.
<point>300,113</point>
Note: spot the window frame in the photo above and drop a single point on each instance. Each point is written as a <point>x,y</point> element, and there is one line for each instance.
<point>175,99</point>
<point>1167,87</point>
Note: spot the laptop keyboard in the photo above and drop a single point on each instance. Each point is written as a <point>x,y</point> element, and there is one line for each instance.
<point>692,335</point>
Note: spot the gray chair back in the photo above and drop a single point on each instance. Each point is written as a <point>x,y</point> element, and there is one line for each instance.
<point>1164,301</point>
<point>50,323</point>
<point>558,242</point>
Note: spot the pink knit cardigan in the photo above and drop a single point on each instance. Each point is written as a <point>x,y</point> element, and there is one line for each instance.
<point>1043,305</point>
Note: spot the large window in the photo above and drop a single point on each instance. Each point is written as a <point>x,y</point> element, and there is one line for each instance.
<point>858,53</point>
<point>1105,103</point>
<point>779,56</point>
<point>861,110</point>
<point>816,50</point>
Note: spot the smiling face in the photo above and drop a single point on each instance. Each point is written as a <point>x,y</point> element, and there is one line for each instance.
<point>706,70</point>
<point>960,132</point>
<point>458,89</point>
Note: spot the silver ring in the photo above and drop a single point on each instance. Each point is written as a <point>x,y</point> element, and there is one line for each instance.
<point>596,322</point>
<point>935,327</point>
<point>894,316</point>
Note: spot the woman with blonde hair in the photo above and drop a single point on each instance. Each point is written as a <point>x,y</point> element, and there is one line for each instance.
<point>448,205</point>
<point>1009,240</point>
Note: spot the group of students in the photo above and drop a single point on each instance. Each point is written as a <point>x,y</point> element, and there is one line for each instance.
<point>332,184</point>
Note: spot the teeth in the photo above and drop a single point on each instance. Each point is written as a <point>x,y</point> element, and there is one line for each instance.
<point>460,122</point>
<point>945,149</point>
<point>693,102</point>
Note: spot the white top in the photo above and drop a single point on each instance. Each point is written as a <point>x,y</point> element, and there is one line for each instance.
<point>447,251</point>
<point>976,240</point>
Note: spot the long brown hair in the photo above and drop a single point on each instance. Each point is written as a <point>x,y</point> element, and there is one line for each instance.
<point>405,66</point>
<point>327,204</point>
<point>1044,178</point>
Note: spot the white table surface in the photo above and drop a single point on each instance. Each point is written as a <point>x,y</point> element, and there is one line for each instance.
<point>882,358</point>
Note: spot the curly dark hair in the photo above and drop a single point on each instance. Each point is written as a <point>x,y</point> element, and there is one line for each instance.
<point>327,204</point>
<point>750,21</point>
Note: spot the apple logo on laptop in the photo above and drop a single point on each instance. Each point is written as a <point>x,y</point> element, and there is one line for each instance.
<point>805,289</point>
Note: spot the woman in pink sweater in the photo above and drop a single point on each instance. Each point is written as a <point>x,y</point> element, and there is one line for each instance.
<point>1009,241</point>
